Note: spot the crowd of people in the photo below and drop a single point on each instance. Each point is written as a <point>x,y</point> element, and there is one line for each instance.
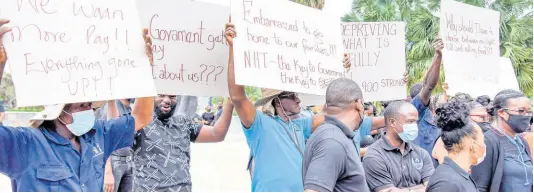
<point>422,143</point>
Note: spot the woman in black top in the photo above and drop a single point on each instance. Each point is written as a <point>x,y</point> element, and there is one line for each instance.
<point>464,141</point>
<point>508,166</point>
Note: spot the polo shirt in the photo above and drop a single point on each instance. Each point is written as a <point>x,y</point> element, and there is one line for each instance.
<point>277,161</point>
<point>331,162</point>
<point>428,131</point>
<point>449,177</point>
<point>39,160</point>
<point>385,166</point>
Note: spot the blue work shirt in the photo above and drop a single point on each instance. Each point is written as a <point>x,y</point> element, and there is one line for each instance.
<point>39,160</point>
<point>277,161</point>
<point>428,131</point>
<point>363,130</point>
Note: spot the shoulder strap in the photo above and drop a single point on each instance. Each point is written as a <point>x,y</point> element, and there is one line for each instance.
<point>293,137</point>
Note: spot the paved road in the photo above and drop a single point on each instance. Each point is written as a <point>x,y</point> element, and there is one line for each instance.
<point>215,167</point>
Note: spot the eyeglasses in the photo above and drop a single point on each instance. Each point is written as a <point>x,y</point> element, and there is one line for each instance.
<point>293,96</point>
<point>520,111</point>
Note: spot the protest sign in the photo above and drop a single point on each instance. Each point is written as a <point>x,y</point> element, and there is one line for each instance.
<point>190,49</point>
<point>76,51</point>
<point>377,53</point>
<point>471,38</point>
<point>507,79</point>
<point>286,46</point>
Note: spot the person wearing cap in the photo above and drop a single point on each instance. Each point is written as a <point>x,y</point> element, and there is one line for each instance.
<point>66,148</point>
<point>275,134</point>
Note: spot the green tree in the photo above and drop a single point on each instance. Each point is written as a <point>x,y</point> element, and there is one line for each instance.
<point>318,4</point>
<point>422,19</point>
<point>8,91</point>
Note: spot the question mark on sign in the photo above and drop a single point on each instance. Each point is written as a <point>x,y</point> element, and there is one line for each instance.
<point>207,76</point>
<point>202,73</point>
<point>222,69</point>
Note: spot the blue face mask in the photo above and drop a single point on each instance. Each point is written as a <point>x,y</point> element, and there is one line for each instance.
<point>410,132</point>
<point>82,122</point>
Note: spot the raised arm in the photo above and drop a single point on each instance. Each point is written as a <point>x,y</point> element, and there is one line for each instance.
<point>3,55</point>
<point>432,75</point>
<point>217,132</point>
<point>143,107</point>
<point>245,109</point>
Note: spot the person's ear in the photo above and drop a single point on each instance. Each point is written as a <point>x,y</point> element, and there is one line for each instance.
<point>501,113</point>
<point>392,123</point>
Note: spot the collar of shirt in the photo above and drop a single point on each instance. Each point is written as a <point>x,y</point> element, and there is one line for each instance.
<point>448,161</point>
<point>334,121</point>
<point>388,147</point>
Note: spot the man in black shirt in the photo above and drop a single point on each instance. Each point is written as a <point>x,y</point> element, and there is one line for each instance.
<point>331,162</point>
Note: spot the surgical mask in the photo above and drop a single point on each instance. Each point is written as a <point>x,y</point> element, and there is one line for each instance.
<point>519,123</point>
<point>410,132</point>
<point>479,159</point>
<point>82,122</point>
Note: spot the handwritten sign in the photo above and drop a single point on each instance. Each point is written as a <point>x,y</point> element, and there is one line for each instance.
<point>190,49</point>
<point>471,38</point>
<point>507,79</point>
<point>286,46</point>
<point>377,53</point>
<point>76,51</point>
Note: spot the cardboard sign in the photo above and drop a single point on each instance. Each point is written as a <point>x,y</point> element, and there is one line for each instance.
<point>471,38</point>
<point>507,80</point>
<point>76,51</point>
<point>286,46</point>
<point>377,53</point>
<point>189,46</point>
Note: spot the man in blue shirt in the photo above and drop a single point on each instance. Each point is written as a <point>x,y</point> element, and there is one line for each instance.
<point>276,134</point>
<point>67,149</point>
<point>421,93</point>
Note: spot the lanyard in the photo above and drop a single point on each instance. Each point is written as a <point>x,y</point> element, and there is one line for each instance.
<point>293,137</point>
<point>520,156</point>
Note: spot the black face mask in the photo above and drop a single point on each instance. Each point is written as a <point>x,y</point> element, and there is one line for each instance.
<point>518,123</point>
<point>485,126</point>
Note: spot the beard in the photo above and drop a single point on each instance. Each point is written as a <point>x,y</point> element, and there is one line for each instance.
<point>164,115</point>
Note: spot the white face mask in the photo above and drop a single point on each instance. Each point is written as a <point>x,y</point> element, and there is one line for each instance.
<point>82,122</point>
<point>479,159</point>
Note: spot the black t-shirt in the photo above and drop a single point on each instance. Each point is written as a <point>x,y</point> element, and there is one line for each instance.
<point>208,116</point>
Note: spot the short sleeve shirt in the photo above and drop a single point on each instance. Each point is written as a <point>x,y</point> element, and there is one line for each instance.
<point>387,167</point>
<point>428,131</point>
<point>40,160</point>
<point>162,155</point>
<point>277,160</point>
<point>331,162</point>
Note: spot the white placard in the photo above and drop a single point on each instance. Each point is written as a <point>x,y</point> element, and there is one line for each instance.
<point>471,38</point>
<point>507,80</point>
<point>189,46</point>
<point>377,53</point>
<point>286,46</point>
<point>76,51</point>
